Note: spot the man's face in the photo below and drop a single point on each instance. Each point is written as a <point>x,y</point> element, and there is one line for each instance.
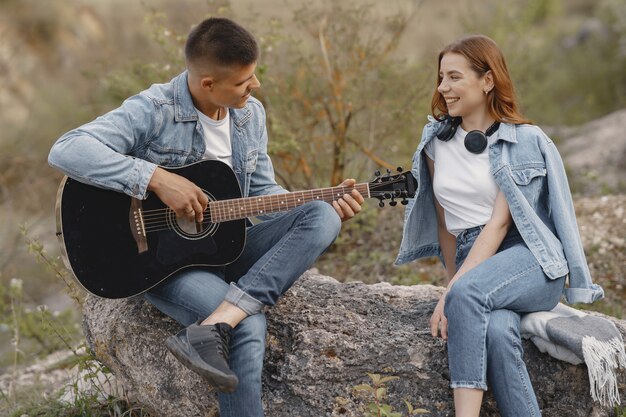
<point>233,89</point>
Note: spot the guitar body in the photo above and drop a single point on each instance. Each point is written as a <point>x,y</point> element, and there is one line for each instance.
<point>95,231</point>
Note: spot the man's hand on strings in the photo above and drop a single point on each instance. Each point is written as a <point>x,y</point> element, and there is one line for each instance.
<point>184,197</point>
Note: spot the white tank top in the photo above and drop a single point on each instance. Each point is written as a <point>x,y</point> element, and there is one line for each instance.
<point>217,138</point>
<point>463,184</point>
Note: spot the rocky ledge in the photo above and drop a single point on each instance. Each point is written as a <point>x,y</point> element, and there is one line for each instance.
<point>324,337</point>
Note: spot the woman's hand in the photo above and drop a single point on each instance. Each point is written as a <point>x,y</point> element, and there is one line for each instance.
<point>438,320</point>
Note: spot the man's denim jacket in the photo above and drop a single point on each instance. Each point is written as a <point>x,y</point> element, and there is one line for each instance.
<point>159,126</point>
<point>528,169</point>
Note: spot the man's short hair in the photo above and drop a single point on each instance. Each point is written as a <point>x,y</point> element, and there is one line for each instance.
<point>220,42</point>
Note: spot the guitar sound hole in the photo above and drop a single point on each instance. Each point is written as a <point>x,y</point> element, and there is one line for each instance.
<point>188,228</point>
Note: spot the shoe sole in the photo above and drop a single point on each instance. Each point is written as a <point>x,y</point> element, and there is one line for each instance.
<point>176,348</point>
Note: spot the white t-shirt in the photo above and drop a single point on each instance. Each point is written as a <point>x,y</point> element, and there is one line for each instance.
<point>217,138</point>
<point>463,184</point>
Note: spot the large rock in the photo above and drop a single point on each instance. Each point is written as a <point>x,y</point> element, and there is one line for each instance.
<point>324,337</point>
<point>595,154</point>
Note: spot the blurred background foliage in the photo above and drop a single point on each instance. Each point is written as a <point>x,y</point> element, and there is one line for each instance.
<point>346,85</point>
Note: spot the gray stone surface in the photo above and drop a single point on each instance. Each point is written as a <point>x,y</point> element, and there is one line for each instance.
<point>595,154</point>
<point>323,339</point>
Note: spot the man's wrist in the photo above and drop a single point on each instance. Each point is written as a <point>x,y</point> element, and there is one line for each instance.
<point>155,180</point>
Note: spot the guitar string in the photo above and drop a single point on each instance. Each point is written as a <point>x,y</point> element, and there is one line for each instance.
<point>157,221</point>
<point>223,210</point>
<point>163,223</point>
<point>226,207</point>
<point>252,203</point>
<point>166,224</point>
<point>253,199</point>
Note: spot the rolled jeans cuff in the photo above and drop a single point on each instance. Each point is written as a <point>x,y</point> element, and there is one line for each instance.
<point>469,384</point>
<point>237,297</point>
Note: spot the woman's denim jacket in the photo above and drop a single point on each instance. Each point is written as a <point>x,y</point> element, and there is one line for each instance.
<point>528,169</point>
<point>159,126</point>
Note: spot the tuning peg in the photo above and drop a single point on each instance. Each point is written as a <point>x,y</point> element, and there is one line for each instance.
<point>387,196</point>
<point>381,203</point>
<point>404,201</point>
<point>388,172</point>
<point>377,173</point>
<point>393,203</point>
<point>399,169</point>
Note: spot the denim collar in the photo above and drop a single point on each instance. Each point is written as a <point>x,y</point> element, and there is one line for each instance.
<point>507,133</point>
<point>184,110</point>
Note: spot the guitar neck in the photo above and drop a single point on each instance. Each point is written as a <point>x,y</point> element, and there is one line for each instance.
<point>239,208</point>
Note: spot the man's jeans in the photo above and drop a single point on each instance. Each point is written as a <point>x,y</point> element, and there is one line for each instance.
<point>277,252</point>
<point>483,310</point>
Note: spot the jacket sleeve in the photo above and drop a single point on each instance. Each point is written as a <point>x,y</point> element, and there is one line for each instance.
<point>419,234</point>
<point>97,152</point>
<point>564,218</point>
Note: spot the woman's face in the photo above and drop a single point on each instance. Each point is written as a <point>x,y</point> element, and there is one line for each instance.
<point>462,88</point>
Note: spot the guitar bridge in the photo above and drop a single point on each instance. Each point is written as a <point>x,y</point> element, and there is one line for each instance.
<point>137,226</point>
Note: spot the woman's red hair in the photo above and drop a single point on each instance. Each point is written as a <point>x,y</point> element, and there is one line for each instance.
<point>483,55</point>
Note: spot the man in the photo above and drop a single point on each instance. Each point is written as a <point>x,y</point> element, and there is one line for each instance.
<point>207,112</point>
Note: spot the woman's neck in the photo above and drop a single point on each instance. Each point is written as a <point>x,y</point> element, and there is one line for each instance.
<point>477,122</point>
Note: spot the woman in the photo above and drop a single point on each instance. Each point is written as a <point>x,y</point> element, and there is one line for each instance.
<point>505,226</point>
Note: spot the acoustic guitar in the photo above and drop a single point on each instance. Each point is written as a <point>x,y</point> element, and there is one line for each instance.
<point>117,246</point>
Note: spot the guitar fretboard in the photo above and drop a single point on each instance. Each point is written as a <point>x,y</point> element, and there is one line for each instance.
<point>239,208</point>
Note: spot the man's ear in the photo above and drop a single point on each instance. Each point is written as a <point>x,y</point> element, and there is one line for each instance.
<point>207,83</point>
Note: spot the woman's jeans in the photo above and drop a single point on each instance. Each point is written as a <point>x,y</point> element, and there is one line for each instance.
<point>277,252</point>
<point>483,310</point>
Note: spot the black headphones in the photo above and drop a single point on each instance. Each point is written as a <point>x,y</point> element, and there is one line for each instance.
<point>475,140</point>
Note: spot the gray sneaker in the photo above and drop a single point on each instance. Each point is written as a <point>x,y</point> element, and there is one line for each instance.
<point>204,350</point>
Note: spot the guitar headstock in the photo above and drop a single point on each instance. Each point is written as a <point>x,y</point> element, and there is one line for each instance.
<point>394,187</point>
